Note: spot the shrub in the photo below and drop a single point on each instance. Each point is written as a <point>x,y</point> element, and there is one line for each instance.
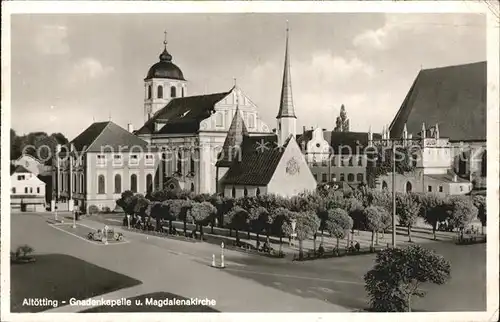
<point>93,209</point>
<point>24,251</point>
<point>106,210</point>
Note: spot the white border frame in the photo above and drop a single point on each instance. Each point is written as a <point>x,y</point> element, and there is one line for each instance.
<point>493,37</point>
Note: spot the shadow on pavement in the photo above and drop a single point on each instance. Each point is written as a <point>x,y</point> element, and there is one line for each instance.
<point>154,306</point>
<point>61,277</point>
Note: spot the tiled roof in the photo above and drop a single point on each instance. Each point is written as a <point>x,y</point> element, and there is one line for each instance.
<point>446,178</point>
<point>453,97</point>
<point>257,164</point>
<point>183,114</point>
<point>107,137</point>
<point>237,131</point>
<point>21,169</point>
<point>341,142</point>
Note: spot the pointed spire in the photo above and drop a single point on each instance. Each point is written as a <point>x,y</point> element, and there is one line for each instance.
<point>405,132</point>
<point>237,131</point>
<point>165,56</point>
<point>286,102</point>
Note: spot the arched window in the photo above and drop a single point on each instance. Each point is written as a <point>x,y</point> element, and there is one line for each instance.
<point>118,183</point>
<point>81,183</point>
<point>191,165</point>
<point>384,185</point>
<point>408,186</point>
<point>360,161</point>
<point>233,192</point>
<point>462,163</point>
<point>133,183</point>
<point>351,163</point>
<point>26,190</point>
<point>483,164</point>
<point>350,177</point>
<point>160,91</point>
<point>149,183</point>
<point>37,189</point>
<point>192,187</point>
<point>182,91</point>
<point>179,162</point>
<point>101,185</point>
<point>342,177</point>
<point>150,92</point>
<point>257,193</point>
<point>359,177</point>
<point>245,192</point>
<point>173,92</point>
<point>73,188</point>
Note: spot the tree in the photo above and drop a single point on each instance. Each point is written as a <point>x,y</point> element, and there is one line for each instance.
<point>398,274</point>
<point>307,224</point>
<point>159,211</point>
<point>141,206</point>
<point>376,218</point>
<point>127,203</point>
<point>338,224</point>
<point>462,212</point>
<point>354,208</point>
<point>201,213</point>
<point>280,217</point>
<point>407,209</point>
<point>480,203</point>
<point>238,220</point>
<point>433,209</point>
<point>260,220</point>
<point>180,208</point>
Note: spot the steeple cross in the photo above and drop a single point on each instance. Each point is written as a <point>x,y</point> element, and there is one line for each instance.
<point>165,38</point>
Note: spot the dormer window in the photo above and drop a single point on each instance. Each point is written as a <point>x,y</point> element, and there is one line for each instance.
<point>117,159</point>
<point>149,159</point>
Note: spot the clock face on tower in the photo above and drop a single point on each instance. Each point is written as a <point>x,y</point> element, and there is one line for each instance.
<point>292,166</point>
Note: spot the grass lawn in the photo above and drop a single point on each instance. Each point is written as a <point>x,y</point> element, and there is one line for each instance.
<point>152,308</point>
<point>61,277</point>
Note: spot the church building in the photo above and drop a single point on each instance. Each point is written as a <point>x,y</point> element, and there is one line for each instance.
<point>444,114</point>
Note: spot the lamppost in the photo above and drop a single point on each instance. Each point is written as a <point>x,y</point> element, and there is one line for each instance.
<point>74,218</point>
<point>128,221</point>
<point>294,225</point>
<point>105,238</point>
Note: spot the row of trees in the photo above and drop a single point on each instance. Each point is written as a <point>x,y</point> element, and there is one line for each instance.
<point>37,144</point>
<point>328,210</point>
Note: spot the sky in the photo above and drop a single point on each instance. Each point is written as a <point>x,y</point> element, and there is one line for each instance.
<point>69,70</point>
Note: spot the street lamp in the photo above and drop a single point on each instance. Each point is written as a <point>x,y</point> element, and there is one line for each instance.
<point>294,225</point>
<point>128,221</point>
<point>74,218</point>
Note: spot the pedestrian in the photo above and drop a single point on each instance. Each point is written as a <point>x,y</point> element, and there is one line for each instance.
<point>357,246</point>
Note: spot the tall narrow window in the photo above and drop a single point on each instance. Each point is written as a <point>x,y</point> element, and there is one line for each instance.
<point>182,91</point>
<point>360,161</point>
<point>38,190</point>
<point>81,183</point>
<point>13,190</point>
<point>118,183</point>
<point>257,193</point>
<point>150,92</point>
<point>233,192</point>
<point>245,192</point>
<point>351,163</point>
<point>149,183</point>
<point>191,165</point>
<point>26,190</point>
<point>74,183</point>
<point>101,185</point>
<point>342,177</point>
<point>218,120</point>
<point>350,177</point>
<point>192,187</point>
<point>179,162</point>
<point>160,91</point>
<point>173,92</point>
<point>359,177</point>
<point>133,183</point>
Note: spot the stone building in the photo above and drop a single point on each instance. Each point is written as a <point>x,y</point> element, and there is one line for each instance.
<point>99,164</point>
<point>444,113</point>
<point>27,190</point>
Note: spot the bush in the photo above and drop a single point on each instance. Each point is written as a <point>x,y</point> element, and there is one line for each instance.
<point>93,210</point>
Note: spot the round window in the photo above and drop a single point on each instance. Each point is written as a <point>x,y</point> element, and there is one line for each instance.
<point>318,145</point>
<point>172,186</point>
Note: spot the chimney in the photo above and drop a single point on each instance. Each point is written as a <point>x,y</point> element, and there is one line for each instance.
<point>130,127</point>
